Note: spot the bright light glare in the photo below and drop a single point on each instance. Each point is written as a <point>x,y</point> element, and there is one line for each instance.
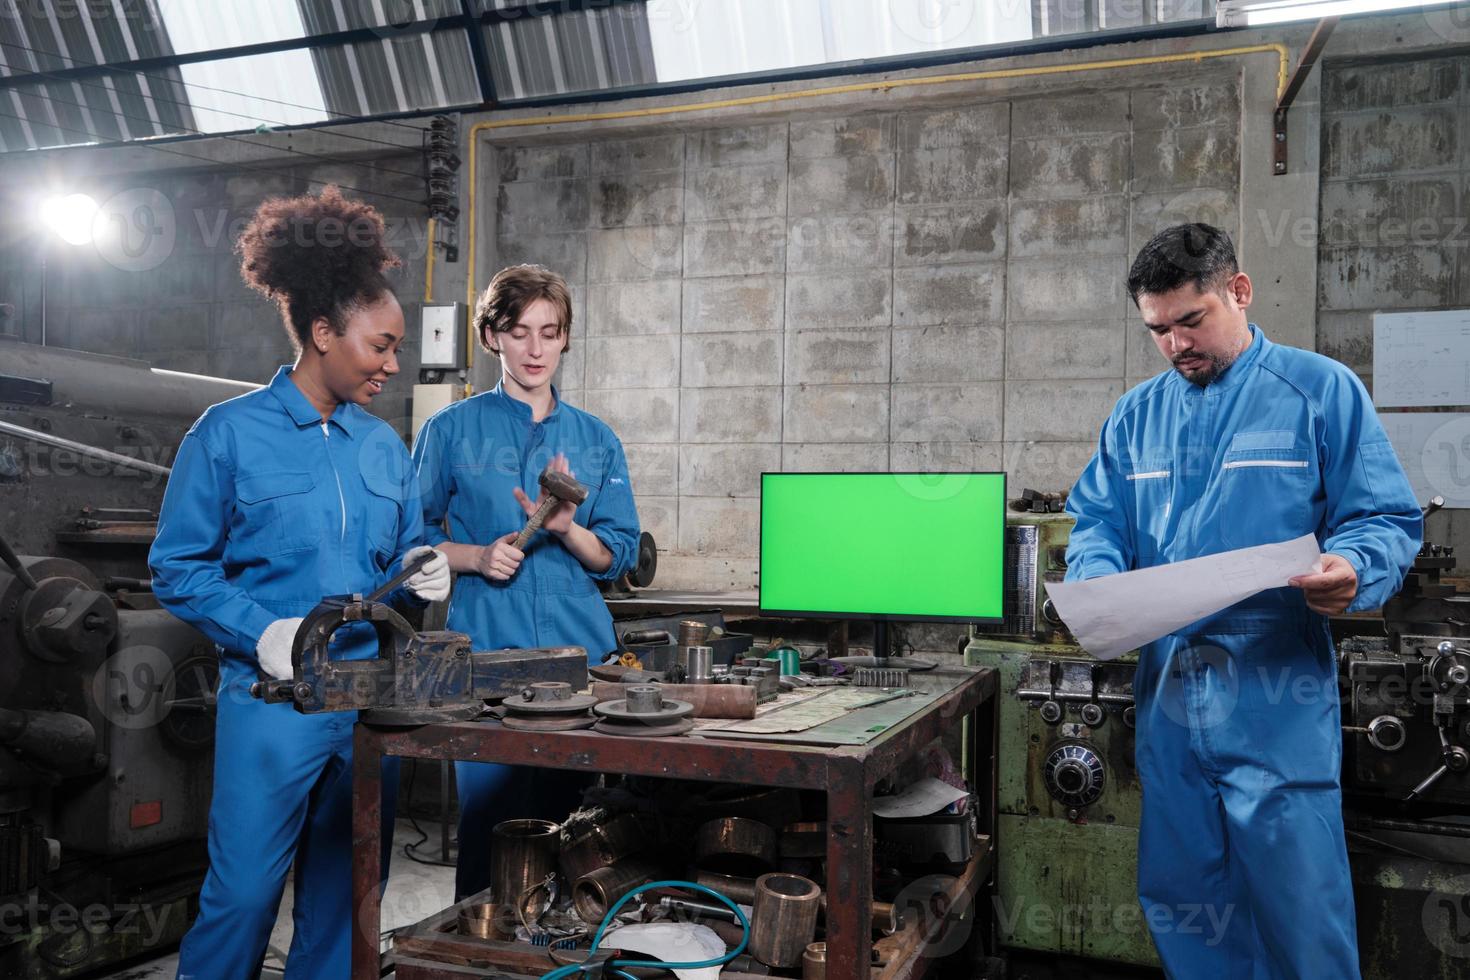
<point>70,216</point>
<point>1281,11</point>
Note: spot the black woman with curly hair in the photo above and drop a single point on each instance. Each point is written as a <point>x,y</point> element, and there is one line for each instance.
<point>277,498</point>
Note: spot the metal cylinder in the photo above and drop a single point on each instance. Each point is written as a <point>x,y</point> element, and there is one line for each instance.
<point>593,894</point>
<point>788,661</point>
<point>522,854</point>
<point>543,691</point>
<point>487,920</point>
<point>738,890</point>
<point>804,840</point>
<point>735,845</point>
<point>600,845</point>
<point>785,918</point>
<point>885,916</point>
<point>742,890</point>
<point>643,699</point>
<point>814,962</point>
<point>692,633</point>
<point>700,664</point>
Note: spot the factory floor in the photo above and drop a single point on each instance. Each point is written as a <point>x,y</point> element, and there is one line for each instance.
<point>415,891</point>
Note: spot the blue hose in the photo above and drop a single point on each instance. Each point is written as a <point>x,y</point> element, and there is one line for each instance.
<point>572,969</point>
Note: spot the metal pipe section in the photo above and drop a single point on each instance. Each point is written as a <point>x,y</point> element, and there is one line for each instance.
<point>107,456</point>
<point>118,386</point>
<point>594,893</point>
<point>742,890</point>
<point>1434,827</point>
<point>735,844</point>
<point>522,854</point>
<point>785,919</point>
<point>601,845</point>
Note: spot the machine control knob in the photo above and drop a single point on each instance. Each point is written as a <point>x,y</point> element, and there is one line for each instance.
<point>1130,716</point>
<point>1092,715</point>
<point>1387,733</point>
<point>1049,613</point>
<point>1445,648</point>
<point>1074,775</point>
<point>1051,712</point>
<point>1458,674</point>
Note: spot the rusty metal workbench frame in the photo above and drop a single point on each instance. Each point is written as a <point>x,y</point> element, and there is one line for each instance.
<point>847,775</point>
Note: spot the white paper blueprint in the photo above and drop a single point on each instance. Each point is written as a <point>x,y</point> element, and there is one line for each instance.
<point>1114,614</point>
<point>920,799</point>
<point>1421,359</point>
<point>1434,448</point>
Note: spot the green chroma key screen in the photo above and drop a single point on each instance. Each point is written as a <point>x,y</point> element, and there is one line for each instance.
<point>920,546</point>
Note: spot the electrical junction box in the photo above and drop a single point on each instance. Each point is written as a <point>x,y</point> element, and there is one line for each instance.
<point>441,337</point>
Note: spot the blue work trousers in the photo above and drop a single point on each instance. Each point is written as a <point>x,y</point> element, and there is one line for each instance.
<point>1242,864</point>
<point>282,792</point>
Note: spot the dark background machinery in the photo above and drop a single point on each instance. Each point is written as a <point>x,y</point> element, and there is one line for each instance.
<point>106,701</point>
<point>1405,686</point>
<point>1070,799</point>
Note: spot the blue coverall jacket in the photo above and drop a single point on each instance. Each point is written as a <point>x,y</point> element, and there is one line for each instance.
<point>1242,868</point>
<point>268,509</point>
<point>470,457</point>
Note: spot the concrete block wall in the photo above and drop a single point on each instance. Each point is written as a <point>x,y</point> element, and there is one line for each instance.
<point>1394,210</point>
<point>934,289</point>
<point>174,296</point>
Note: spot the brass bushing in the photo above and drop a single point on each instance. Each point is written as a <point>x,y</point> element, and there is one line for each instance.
<point>735,845</point>
<point>785,918</point>
<point>487,920</point>
<point>596,892</point>
<point>522,854</point>
<point>600,845</point>
<point>814,962</point>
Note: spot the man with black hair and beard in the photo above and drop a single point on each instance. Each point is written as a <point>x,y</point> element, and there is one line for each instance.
<point>1242,443</point>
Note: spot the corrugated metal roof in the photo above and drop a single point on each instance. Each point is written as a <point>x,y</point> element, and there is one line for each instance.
<point>78,71</point>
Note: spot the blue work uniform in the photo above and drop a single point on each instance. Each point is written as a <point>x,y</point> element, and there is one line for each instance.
<point>268,509</point>
<point>1238,735</point>
<point>470,457</point>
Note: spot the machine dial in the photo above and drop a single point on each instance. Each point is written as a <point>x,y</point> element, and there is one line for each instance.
<point>1074,775</point>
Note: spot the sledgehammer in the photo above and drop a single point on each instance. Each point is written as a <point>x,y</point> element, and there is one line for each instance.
<point>558,488</point>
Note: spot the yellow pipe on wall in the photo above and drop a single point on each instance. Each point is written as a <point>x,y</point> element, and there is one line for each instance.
<point>1282,77</point>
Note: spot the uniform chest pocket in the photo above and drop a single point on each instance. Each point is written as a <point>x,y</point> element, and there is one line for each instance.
<point>1265,496</point>
<point>381,516</point>
<point>275,514</point>
<point>1152,483</point>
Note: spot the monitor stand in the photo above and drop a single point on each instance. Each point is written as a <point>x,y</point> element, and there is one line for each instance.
<point>881,645</point>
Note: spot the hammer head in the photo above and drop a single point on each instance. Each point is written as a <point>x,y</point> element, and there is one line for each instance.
<point>562,487</point>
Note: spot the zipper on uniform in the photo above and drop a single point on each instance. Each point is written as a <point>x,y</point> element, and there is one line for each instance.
<point>341,500</point>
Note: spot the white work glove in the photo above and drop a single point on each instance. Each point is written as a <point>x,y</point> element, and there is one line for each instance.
<point>274,649</point>
<point>430,583</point>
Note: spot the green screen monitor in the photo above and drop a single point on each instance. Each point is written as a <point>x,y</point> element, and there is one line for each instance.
<point>883,546</point>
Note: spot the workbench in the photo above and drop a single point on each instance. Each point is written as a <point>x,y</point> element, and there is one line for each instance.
<point>845,774</point>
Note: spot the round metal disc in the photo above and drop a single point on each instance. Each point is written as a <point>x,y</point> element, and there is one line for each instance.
<point>618,711</point>
<point>548,724</point>
<point>677,727</point>
<point>413,717</point>
<point>574,705</point>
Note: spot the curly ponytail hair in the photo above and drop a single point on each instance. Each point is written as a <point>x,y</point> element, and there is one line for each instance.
<point>319,256</point>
